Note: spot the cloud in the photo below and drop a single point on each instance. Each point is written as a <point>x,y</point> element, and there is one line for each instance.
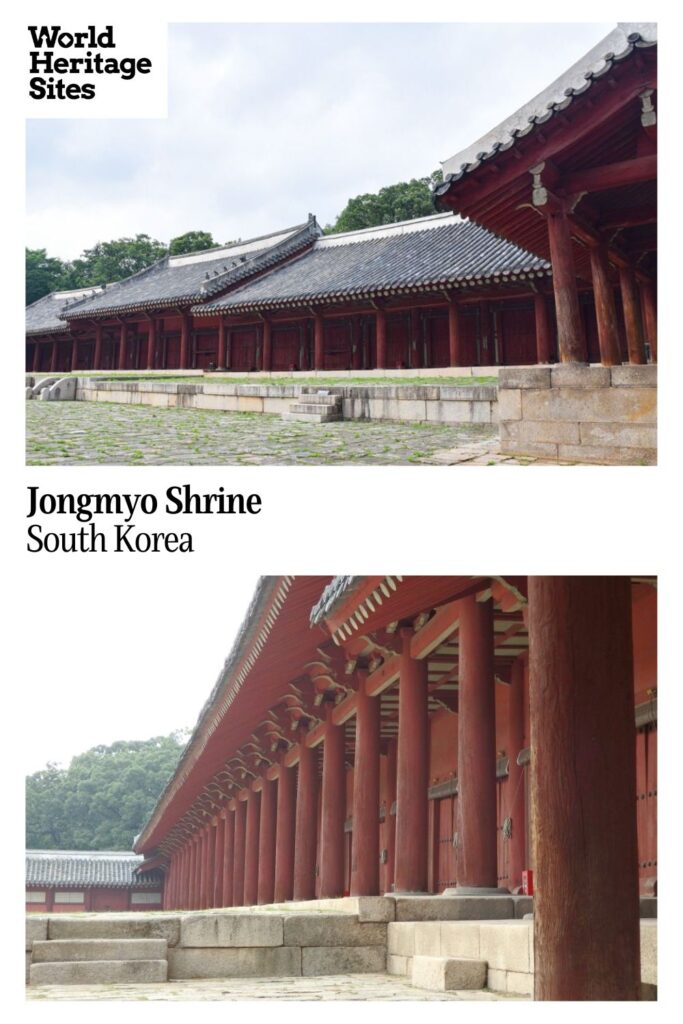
<point>269,122</point>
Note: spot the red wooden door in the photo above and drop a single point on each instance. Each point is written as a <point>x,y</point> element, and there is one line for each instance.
<point>243,349</point>
<point>517,336</point>
<point>437,341</point>
<point>206,349</point>
<point>45,357</point>
<point>85,355</point>
<point>398,342</point>
<point>171,348</point>
<point>469,326</point>
<point>338,340</point>
<point>285,343</point>
<point>646,805</point>
<point>445,811</point>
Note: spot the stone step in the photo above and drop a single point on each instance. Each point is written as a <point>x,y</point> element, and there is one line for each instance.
<point>99,972</point>
<point>310,417</point>
<point>114,926</point>
<point>60,950</point>
<point>446,974</point>
<point>324,410</point>
<point>311,397</point>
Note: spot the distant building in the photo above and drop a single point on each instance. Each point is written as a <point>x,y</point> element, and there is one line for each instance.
<point>87,880</point>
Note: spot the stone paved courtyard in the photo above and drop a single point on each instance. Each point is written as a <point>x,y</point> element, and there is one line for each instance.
<point>84,433</point>
<point>382,987</point>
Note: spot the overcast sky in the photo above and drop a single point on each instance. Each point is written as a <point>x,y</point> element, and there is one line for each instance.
<point>270,122</point>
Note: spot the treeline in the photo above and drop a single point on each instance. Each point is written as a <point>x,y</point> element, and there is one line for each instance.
<point>121,257</point>
<point>105,796</point>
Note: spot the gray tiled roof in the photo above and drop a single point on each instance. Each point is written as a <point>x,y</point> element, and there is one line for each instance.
<point>615,47</point>
<point>436,251</point>
<point>86,868</point>
<point>335,590</point>
<point>196,276</point>
<point>42,316</point>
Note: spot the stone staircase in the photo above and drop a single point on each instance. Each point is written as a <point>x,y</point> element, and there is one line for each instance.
<point>318,407</point>
<point>93,951</point>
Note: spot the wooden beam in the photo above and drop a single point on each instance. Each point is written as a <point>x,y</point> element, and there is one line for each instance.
<point>634,217</point>
<point>383,677</point>
<point>435,631</point>
<point>623,172</point>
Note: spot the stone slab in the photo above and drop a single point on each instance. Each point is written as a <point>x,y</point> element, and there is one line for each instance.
<point>648,951</point>
<point>607,454</point>
<point>522,432</point>
<point>427,938</point>
<point>506,945</point>
<point>254,962</point>
<point>576,375</point>
<point>118,926</point>
<point>619,435</point>
<point>99,972</point>
<point>57,950</point>
<point>401,938</point>
<point>524,377</point>
<point>453,908</point>
<point>398,965</point>
<point>520,983</point>
<point>523,905</point>
<point>320,960</point>
<point>460,938</point>
<point>591,405</point>
<point>36,929</point>
<point>634,376</point>
<point>332,930</point>
<point>231,930</point>
<point>648,906</point>
<point>443,974</point>
<point>509,404</point>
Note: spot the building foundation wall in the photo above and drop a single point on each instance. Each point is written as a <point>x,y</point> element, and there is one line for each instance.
<point>573,412</point>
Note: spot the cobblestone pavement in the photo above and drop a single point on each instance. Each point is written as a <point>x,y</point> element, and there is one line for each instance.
<point>348,986</point>
<point>84,433</point>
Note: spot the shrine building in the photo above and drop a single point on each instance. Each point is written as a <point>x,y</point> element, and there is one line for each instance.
<point>430,734</point>
<point>65,881</point>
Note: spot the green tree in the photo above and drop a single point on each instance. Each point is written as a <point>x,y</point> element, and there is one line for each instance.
<point>121,257</point>
<point>191,241</point>
<point>102,800</point>
<point>403,201</point>
<point>44,274</point>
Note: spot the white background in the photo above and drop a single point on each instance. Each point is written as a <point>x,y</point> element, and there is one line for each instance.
<point>317,520</point>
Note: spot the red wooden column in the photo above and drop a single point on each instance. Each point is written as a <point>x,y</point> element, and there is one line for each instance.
<point>267,345</point>
<point>570,337</point>
<point>381,339</point>
<point>306,823</point>
<point>357,343</point>
<point>486,352</point>
<point>210,864</point>
<point>605,308</point>
<point>543,344</point>
<point>412,770</point>
<point>122,346</point>
<point>515,780</point>
<point>203,868</point>
<point>477,852</point>
<point>193,873</point>
<point>454,334</point>
<point>416,354</point>
<point>184,340</point>
<point>333,812</point>
<point>36,355</point>
<point>188,883</point>
<point>238,854</point>
<point>74,355</point>
<point>151,342</point>
<point>632,317</point>
<point>251,849</point>
<point>229,858</point>
<point>182,877</point>
<point>284,846</point>
<point>390,819</point>
<point>318,342</point>
<point>221,344</point>
<point>649,306</point>
<point>365,836</point>
<point>53,360</point>
<point>219,862</point>
<point>586,913</point>
<point>97,358</point>
<point>266,852</point>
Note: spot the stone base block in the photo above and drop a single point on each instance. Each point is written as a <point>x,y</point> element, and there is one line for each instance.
<point>255,962</point>
<point>231,930</point>
<point>320,960</point>
<point>453,908</point>
<point>399,965</point>
<point>99,972</point>
<point>36,929</point>
<point>332,930</point>
<point>63,950</point>
<point>446,974</point>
